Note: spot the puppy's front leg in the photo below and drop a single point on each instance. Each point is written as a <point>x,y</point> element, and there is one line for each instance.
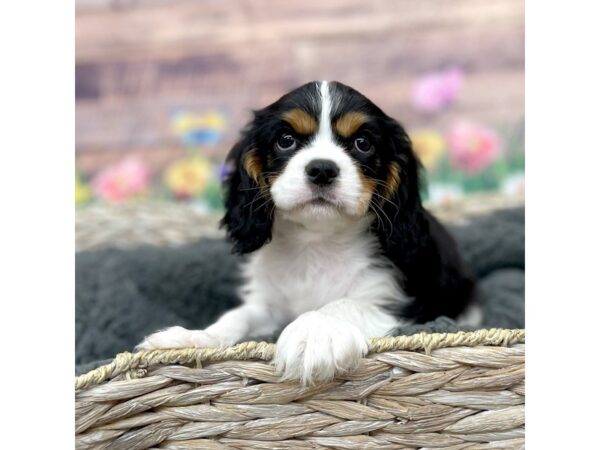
<point>321,344</point>
<point>232,327</point>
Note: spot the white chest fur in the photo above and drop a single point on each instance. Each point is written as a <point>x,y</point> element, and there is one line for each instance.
<point>326,283</point>
<point>303,269</point>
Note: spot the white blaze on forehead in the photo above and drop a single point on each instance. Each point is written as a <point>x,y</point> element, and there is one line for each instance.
<point>325,119</point>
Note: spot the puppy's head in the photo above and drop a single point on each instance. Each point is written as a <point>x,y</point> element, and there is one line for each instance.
<point>319,153</point>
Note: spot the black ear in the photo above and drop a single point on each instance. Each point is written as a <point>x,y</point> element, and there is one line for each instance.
<point>248,205</point>
<point>401,225</point>
<point>433,271</point>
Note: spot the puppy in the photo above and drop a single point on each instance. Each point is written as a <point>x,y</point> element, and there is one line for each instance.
<point>324,199</point>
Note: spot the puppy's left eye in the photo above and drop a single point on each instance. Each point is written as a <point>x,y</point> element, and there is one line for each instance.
<point>286,143</point>
<point>362,145</point>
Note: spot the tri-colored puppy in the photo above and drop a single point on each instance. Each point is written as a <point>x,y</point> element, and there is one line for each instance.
<point>324,197</point>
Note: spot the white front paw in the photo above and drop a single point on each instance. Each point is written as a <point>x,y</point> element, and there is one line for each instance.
<point>316,346</point>
<point>177,337</point>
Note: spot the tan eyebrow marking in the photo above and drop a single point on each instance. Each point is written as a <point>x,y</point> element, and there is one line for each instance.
<point>301,121</point>
<point>253,165</point>
<point>350,122</point>
<point>393,179</point>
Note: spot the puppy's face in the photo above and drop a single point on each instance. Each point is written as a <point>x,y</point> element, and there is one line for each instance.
<point>319,152</point>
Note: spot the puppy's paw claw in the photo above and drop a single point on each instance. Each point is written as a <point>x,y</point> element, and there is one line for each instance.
<point>177,337</point>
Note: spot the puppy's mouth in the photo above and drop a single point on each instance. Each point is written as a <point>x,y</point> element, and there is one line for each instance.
<point>322,199</point>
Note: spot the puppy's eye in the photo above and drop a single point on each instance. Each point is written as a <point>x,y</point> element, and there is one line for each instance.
<point>286,143</point>
<point>362,145</point>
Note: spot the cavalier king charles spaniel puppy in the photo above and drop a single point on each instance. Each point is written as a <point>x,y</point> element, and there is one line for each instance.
<point>324,201</point>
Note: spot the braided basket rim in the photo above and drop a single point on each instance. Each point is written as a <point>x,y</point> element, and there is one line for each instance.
<point>423,341</point>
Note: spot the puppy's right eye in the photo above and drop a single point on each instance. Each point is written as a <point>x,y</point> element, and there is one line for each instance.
<point>286,143</point>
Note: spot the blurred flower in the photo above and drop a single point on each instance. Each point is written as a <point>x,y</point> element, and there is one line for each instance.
<point>472,147</point>
<point>188,177</point>
<point>214,195</point>
<point>429,147</point>
<point>122,181</point>
<point>83,193</point>
<point>199,129</point>
<point>514,184</point>
<point>445,193</point>
<point>436,90</point>
<point>223,171</point>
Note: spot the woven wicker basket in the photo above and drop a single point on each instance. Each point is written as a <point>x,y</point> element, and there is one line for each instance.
<point>447,391</point>
<point>439,390</point>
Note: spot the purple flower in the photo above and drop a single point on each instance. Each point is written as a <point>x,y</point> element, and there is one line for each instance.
<point>223,171</point>
<point>436,90</point>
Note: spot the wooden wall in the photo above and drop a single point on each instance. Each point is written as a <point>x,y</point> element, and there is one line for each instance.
<point>138,61</point>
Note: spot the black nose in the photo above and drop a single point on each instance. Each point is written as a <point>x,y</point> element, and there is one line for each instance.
<point>322,171</point>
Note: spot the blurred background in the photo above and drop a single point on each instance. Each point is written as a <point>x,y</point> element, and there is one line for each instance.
<point>164,86</point>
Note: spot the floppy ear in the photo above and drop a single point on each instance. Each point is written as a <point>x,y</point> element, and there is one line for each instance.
<point>405,230</point>
<point>434,273</point>
<point>248,205</point>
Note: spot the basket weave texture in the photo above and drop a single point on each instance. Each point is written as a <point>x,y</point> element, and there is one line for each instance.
<point>431,390</point>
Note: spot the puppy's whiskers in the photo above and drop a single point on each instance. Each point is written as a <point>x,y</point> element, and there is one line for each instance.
<point>264,195</point>
<point>388,219</point>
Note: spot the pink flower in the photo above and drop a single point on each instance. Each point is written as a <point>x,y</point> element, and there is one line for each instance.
<point>472,147</point>
<point>119,182</point>
<point>436,90</point>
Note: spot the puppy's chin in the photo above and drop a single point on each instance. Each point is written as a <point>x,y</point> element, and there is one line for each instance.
<point>319,215</point>
<point>313,211</point>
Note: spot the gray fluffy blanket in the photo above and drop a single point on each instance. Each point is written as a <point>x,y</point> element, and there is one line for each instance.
<point>122,295</point>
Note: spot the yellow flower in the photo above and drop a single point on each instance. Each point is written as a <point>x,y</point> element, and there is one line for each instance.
<point>83,193</point>
<point>429,147</point>
<point>184,122</point>
<point>188,177</point>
